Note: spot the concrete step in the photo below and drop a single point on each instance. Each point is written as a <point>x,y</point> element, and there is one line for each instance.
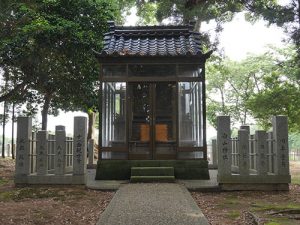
<point>143,179</point>
<point>152,171</point>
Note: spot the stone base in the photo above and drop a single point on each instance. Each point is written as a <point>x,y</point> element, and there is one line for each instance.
<point>51,179</point>
<point>212,166</point>
<point>254,179</point>
<point>254,182</point>
<point>254,187</point>
<point>183,169</point>
<point>91,166</point>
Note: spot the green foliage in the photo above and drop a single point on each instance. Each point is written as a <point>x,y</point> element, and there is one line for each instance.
<point>294,140</point>
<point>231,84</point>
<point>7,116</point>
<point>47,45</point>
<point>199,10</point>
<point>285,16</point>
<point>259,87</point>
<point>146,13</point>
<point>179,11</point>
<point>217,75</point>
<point>280,92</point>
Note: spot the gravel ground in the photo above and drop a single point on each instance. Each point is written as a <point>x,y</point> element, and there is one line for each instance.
<point>276,208</point>
<point>47,204</point>
<point>76,205</point>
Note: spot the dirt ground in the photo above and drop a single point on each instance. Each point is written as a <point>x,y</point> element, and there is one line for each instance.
<point>77,205</point>
<point>271,208</point>
<point>47,205</point>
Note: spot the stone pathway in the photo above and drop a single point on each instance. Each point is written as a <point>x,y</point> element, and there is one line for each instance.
<point>152,204</point>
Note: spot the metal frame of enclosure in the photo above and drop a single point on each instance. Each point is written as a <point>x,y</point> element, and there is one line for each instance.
<point>152,107</point>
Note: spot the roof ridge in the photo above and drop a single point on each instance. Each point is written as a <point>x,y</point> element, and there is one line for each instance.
<point>171,40</point>
<point>189,26</point>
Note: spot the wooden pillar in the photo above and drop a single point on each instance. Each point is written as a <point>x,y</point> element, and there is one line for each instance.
<point>91,144</point>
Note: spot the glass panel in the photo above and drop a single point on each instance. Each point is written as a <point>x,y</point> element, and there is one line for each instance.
<point>145,70</point>
<point>140,135</point>
<point>165,118</point>
<point>190,114</point>
<point>189,70</point>
<point>114,70</point>
<point>114,114</point>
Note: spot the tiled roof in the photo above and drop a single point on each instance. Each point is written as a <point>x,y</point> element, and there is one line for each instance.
<point>151,41</point>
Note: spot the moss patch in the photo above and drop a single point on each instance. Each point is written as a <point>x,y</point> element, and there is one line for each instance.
<point>39,193</point>
<point>296,179</point>
<point>230,202</point>
<point>280,221</point>
<point>3,181</point>
<point>272,223</point>
<point>274,207</point>
<point>233,214</point>
<point>275,219</point>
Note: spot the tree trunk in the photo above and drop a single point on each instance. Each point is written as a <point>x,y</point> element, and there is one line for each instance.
<point>3,133</point>
<point>13,132</point>
<point>245,117</point>
<point>92,118</point>
<point>46,106</point>
<point>223,100</point>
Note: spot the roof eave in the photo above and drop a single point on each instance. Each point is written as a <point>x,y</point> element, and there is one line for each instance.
<point>152,59</point>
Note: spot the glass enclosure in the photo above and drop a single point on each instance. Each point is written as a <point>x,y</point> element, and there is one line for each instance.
<point>190,114</point>
<point>140,119</point>
<point>165,118</point>
<point>144,118</point>
<point>114,114</point>
<point>189,70</point>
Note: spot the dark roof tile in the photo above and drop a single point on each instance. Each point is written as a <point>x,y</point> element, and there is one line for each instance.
<point>152,41</point>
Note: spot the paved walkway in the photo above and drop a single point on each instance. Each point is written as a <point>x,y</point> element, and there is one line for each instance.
<point>152,204</point>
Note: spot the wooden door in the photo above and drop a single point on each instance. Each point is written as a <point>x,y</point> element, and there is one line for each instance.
<point>152,120</point>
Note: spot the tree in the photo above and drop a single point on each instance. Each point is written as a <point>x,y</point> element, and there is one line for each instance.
<point>178,11</point>
<point>280,91</point>
<point>216,78</point>
<point>286,16</point>
<point>200,11</point>
<point>231,84</point>
<point>46,50</point>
